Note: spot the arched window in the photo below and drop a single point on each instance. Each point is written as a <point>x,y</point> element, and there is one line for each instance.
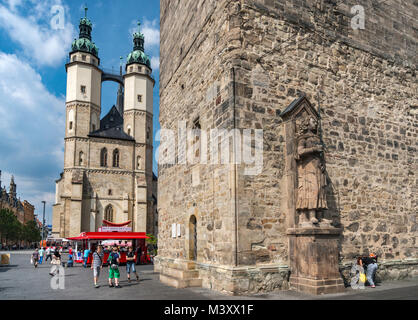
<point>116,158</point>
<point>81,158</point>
<point>128,129</point>
<point>103,158</point>
<point>109,213</point>
<point>148,133</point>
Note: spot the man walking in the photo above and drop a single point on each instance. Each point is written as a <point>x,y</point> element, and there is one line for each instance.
<point>41,255</point>
<point>86,256</point>
<point>113,261</point>
<point>35,258</point>
<point>130,264</point>
<point>48,254</point>
<point>97,265</point>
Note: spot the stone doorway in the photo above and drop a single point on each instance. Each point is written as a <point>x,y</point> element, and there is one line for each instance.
<point>193,238</point>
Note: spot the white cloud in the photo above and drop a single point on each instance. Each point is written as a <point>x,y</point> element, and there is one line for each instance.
<point>40,43</point>
<point>31,129</point>
<point>155,63</point>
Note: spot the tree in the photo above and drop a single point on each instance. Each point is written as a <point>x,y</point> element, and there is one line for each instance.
<point>152,244</point>
<point>10,227</point>
<point>31,232</point>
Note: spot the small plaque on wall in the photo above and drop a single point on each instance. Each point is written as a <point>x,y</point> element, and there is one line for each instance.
<point>173,230</point>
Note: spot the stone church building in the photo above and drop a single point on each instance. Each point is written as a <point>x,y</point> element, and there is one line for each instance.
<point>337,106</point>
<point>107,162</point>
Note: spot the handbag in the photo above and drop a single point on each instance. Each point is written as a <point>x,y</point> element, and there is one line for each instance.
<point>362,277</point>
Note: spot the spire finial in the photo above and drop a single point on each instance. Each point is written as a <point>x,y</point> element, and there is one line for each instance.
<point>85,10</point>
<point>139,26</point>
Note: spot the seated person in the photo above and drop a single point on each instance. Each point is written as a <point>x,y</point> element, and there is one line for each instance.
<point>70,262</point>
<point>370,264</point>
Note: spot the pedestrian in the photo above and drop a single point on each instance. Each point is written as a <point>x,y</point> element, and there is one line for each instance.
<point>70,262</point>
<point>86,256</point>
<point>130,264</point>
<point>48,254</point>
<point>41,255</point>
<point>70,250</point>
<point>35,258</point>
<point>97,264</point>
<point>113,260</point>
<point>56,261</point>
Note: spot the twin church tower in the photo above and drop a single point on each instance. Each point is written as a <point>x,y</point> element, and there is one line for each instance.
<point>107,162</point>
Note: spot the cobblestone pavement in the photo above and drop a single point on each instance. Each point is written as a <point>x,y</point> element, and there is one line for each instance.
<point>20,280</point>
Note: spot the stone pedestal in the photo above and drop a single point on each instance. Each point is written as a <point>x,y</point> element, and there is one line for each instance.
<point>314,260</point>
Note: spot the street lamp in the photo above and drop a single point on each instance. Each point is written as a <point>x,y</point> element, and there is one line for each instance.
<point>43,222</point>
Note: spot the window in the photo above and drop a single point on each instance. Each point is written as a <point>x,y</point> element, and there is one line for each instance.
<point>109,192</point>
<point>109,213</point>
<point>93,127</point>
<point>116,158</point>
<point>148,133</point>
<point>81,158</point>
<point>131,69</point>
<point>140,69</point>
<point>129,131</point>
<point>84,57</point>
<point>139,98</point>
<point>83,89</point>
<point>71,125</point>
<point>103,158</point>
<point>74,58</point>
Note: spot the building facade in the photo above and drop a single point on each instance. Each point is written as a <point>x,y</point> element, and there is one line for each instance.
<point>107,162</point>
<point>239,65</point>
<point>23,210</point>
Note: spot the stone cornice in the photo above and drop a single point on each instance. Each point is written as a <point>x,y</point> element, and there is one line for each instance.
<point>83,104</point>
<point>136,112</point>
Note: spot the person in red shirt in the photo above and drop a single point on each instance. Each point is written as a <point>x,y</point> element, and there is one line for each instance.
<point>70,250</point>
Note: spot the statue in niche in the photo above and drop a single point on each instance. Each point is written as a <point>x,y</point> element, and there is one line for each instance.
<point>311,198</point>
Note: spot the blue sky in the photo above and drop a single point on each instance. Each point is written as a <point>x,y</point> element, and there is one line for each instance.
<point>33,81</point>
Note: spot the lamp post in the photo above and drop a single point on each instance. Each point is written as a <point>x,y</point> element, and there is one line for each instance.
<point>43,222</point>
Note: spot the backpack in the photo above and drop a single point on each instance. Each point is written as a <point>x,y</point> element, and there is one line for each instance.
<point>113,260</point>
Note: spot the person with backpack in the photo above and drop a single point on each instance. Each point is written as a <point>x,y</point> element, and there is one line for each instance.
<point>97,264</point>
<point>130,264</point>
<point>114,272</point>
<point>370,264</point>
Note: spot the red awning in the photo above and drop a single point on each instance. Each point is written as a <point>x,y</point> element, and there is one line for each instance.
<point>110,236</point>
<point>112,224</point>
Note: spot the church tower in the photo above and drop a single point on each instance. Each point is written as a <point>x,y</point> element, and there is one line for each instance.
<point>138,115</point>
<point>83,95</point>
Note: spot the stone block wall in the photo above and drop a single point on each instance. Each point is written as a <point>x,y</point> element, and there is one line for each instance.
<point>238,64</point>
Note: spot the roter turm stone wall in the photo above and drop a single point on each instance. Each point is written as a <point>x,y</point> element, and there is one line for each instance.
<point>237,65</point>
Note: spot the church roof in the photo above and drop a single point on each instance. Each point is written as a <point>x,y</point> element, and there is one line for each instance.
<point>111,127</point>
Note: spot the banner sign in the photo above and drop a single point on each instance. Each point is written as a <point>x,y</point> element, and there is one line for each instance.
<point>115,229</point>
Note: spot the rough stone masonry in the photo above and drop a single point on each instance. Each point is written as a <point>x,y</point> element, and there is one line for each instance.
<point>238,64</point>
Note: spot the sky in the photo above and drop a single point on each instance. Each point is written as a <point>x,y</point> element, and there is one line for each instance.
<point>35,40</point>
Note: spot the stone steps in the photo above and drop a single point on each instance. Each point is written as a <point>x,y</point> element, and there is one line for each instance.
<point>180,283</point>
<point>180,274</point>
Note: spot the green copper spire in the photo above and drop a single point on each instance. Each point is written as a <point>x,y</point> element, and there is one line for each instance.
<point>84,42</point>
<point>138,55</point>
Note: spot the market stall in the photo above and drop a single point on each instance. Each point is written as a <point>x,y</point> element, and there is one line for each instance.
<point>112,234</point>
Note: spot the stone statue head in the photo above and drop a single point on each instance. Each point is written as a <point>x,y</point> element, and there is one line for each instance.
<point>307,125</point>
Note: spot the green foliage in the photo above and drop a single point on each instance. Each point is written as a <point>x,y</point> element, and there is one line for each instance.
<point>152,244</point>
<point>11,229</point>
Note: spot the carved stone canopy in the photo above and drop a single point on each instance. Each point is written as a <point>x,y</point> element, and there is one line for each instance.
<point>297,108</point>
